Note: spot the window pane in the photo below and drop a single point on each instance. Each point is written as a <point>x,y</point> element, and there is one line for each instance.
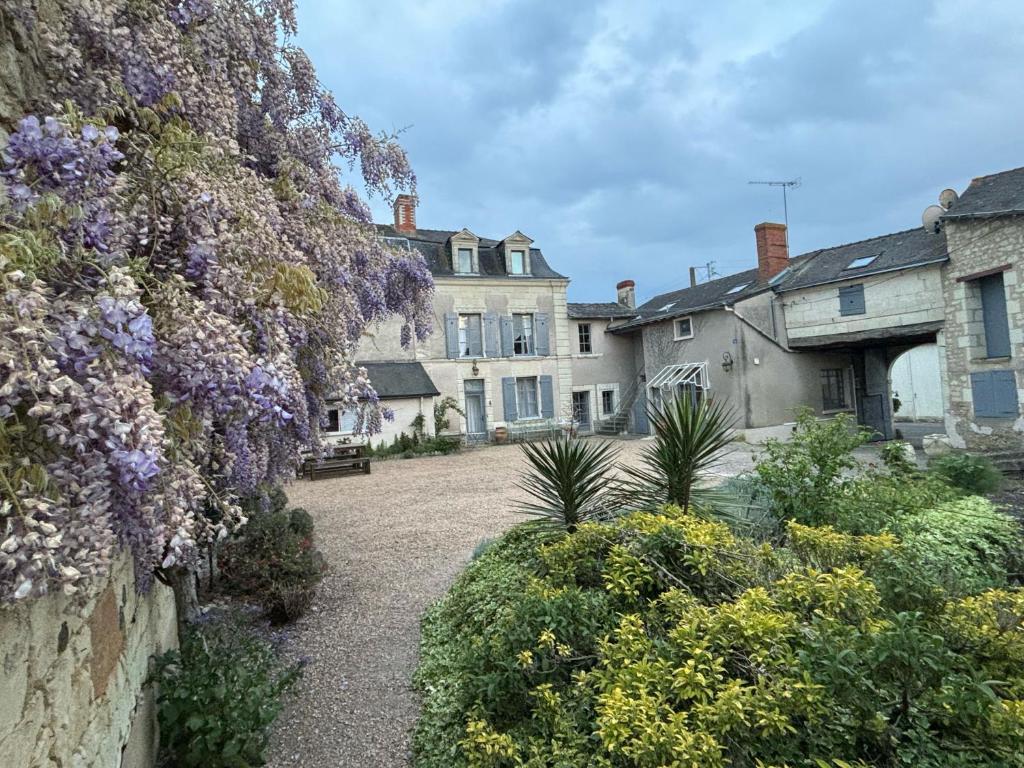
<point>518,263</point>
<point>608,401</point>
<point>465,260</point>
<point>348,421</point>
<point>522,328</point>
<point>526,397</point>
<point>332,421</point>
<point>683,327</point>
<point>470,336</point>
<point>833,389</point>
<point>584,333</point>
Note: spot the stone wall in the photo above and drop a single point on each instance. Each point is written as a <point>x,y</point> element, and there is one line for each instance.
<point>974,247</point>
<point>72,677</point>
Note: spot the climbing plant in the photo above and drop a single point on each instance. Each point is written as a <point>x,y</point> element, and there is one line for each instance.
<point>185,273</point>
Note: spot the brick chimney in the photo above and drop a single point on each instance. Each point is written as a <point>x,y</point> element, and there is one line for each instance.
<point>772,249</point>
<point>625,294</point>
<point>405,214</point>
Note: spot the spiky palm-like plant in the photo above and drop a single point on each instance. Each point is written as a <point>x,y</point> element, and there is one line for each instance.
<point>689,439</point>
<point>568,480</point>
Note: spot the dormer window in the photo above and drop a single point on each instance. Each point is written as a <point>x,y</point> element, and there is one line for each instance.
<point>516,250</point>
<point>465,251</point>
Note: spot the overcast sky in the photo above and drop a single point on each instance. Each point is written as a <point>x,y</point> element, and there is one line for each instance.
<point>620,135</point>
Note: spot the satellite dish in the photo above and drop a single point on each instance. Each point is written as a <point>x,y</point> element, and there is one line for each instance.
<point>947,197</point>
<point>930,217</point>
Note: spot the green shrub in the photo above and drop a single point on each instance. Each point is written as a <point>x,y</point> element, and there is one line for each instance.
<point>217,696</point>
<point>663,639</point>
<point>875,502</point>
<point>407,447</point>
<point>805,473</point>
<point>972,473</point>
<point>272,560</point>
<point>896,458</point>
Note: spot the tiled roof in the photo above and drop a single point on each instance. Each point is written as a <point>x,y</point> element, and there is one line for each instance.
<point>900,250</point>
<point>714,293</point>
<point>399,379</point>
<point>433,244</point>
<point>998,194</point>
<point>609,309</point>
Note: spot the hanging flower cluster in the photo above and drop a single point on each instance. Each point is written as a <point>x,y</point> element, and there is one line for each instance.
<point>184,278</point>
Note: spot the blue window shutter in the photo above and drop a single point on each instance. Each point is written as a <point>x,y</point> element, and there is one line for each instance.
<point>1004,390</point>
<point>506,336</point>
<point>451,335</point>
<point>993,313</point>
<point>547,398</point>
<point>995,394</point>
<point>508,397</point>
<point>851,300</point>
<point>982,395</point>
<point>492,341</point>
<point>541,326</point>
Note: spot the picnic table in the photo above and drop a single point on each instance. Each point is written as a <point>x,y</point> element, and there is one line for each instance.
<point>343,459</point>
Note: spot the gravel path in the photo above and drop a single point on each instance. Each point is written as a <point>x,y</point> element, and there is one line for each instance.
<point>394,540</point>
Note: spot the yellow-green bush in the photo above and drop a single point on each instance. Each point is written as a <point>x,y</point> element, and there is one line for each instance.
<point>661,639</point>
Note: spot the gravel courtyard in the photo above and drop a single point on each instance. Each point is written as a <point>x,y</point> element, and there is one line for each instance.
<point>394,540</point>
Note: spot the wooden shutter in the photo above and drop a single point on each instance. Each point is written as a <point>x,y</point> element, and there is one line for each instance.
<point>492,340</point>
<point>476,342</point>
<point>851,300</point>
<point>995,394</point>
<point>506,336</point>
<point>508,397</point>
<point>993,314</point>
<point>542,334</point>
<point>451,335</point>
<point>547,398</point>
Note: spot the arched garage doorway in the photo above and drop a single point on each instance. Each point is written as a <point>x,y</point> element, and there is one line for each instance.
<point>915,381</point>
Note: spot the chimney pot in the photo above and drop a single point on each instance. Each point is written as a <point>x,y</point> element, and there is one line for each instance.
<point>405,214</point>
<point>625,293</point>
<point>772,249</point>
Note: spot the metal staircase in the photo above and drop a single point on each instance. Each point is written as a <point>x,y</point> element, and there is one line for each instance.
<point>618,422</point>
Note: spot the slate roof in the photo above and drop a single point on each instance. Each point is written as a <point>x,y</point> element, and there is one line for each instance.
<point>709,295</point>
<point>399,379</point>
<point>608,309</point>
<point>900,250</point>
<point>998,194</point>
<point>433,244</point>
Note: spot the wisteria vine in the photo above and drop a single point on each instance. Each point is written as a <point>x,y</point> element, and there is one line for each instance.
<point>185,276</point>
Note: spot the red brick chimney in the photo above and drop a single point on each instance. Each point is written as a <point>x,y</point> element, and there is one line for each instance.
<point>772,249</point>
<point>405,214</point>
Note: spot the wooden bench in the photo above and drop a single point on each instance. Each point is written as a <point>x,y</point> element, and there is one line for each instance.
<point>345,459</point>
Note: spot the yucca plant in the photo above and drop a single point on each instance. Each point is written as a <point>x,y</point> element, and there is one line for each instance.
<point>689,440</point>
<point>567,480</point>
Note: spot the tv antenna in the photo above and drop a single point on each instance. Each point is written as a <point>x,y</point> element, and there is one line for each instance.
<point>785,203</point>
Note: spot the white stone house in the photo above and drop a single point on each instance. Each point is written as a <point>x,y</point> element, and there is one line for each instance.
<point>500,343</point>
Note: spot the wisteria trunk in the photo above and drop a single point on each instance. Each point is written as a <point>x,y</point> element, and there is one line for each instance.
<point>186,598</point>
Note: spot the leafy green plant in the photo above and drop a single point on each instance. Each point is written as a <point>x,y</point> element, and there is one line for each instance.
<point>419,427</point>
<point>972,473</point>
<point>688,440</point>
<point>441,408</point>
<point>409,447</point>
<point>897,458</point>
<point>272,560</point>
<point>805,473</point>
<point>217,697</point>
<point>568,479</point>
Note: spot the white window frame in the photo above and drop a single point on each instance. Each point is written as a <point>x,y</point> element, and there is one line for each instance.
<point>536,398</point>
<point>459,250</point>
<point>464,334</point>
<point>590,338</point>
<point>608,391</point>
<point>531,337</point>
<point>675,328</point>
<point>512,261</point>
<point>342,412</point>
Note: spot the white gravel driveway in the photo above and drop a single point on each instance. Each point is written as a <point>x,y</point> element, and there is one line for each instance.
<point>394,541</point>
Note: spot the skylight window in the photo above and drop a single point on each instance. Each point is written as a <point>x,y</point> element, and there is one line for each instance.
<point>863,261</point>
<point>667,307</point>
<point>738,288</point>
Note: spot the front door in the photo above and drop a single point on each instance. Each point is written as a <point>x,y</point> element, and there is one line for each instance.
<point>581,410</point>
<point>476,415</point>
